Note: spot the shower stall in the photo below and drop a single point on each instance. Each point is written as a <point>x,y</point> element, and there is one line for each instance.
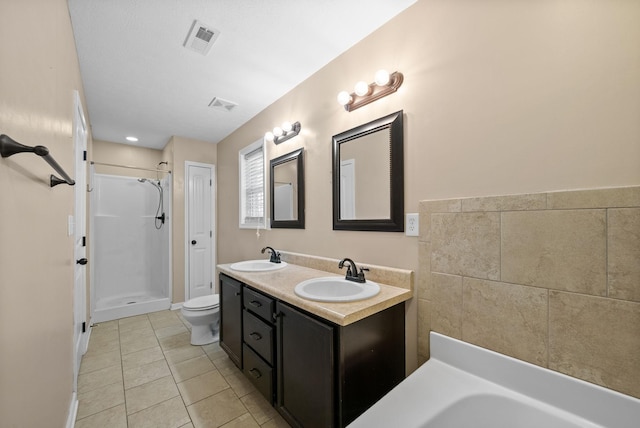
<point>130,245</point>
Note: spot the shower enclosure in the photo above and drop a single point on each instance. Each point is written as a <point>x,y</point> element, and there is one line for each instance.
<point>130,246</point>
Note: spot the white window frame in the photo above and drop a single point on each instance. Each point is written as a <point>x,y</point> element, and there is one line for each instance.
<point>243,223</point>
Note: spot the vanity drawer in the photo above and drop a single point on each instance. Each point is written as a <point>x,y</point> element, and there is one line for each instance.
<point>258,335</point>
<point>259,372</point>
<point>258,303</point>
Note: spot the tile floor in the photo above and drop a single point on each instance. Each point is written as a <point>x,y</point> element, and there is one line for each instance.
<point>143,372</point>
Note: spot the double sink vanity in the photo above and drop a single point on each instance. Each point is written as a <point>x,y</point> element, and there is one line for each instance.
<point>321,353</point>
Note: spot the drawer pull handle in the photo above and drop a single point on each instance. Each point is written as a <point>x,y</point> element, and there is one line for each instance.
<point>255,373</point>
<point>255,335</point>
<point>255,303</point>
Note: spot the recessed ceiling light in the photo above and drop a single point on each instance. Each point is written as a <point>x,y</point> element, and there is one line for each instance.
<point>132,139</point>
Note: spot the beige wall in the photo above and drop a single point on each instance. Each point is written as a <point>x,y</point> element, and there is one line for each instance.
<point>123,154</point>
<point>550,278</point>
<point>39,73</point>
<point>500,97</point>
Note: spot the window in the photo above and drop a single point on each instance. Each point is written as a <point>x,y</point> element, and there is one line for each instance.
<point>252,186</point>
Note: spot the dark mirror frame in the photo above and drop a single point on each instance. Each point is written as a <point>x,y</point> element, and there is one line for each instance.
<point>395,222</point>
<point>295,156</point>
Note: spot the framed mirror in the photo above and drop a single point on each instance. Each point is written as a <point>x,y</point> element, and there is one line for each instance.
<point>368,176</point>
<point>287,191</point>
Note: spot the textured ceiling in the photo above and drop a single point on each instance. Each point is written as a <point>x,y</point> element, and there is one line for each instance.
<point>140,80</point>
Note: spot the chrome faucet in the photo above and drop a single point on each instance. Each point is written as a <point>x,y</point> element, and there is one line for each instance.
<point>352,271</point>
<point>275,256</point>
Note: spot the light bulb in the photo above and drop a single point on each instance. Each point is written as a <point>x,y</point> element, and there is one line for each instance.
<point>382,77</point>
<point>361,88</point>
<point>344,98</point>
<point>269,136</point>
<point>287,127</point>
<point>132,139</point>
<point>277,131</point>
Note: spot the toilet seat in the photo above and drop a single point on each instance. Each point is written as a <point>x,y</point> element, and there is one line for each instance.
<point>202,303</point>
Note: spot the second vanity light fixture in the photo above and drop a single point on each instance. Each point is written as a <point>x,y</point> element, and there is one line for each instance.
<point>383,85</point>
<point>282,134</point>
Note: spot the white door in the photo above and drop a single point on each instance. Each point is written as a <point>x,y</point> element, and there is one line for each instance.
<point>199,229</point>
<point>348,189</point>
<point>79,236</point>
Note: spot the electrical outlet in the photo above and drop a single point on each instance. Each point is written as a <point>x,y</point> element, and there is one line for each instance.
<point>412,225</point>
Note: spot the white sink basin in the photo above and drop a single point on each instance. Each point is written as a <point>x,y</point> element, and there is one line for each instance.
<point>335,289</point>
<point>257,266</point>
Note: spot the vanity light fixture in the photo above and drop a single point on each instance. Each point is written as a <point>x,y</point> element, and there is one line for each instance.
<point>283,133</point>
<point>363,94</point>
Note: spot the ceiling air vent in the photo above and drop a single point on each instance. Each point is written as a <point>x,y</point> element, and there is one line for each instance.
<point>224,105</point>
<point>201,37</point>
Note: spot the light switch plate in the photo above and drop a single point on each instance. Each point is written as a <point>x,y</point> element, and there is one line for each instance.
<point>412,225</point>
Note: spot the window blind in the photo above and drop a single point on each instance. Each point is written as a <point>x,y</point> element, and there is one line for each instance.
<point>254,186</point>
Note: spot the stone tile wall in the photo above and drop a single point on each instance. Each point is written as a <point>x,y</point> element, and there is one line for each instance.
<point>551,278</point>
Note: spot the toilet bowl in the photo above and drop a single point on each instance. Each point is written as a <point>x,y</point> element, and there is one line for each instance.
<point>204,316</point>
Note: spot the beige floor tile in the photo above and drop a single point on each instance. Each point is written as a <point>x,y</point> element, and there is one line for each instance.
<point>176,341</point>
<point>149,394</point>
<point>102,346</point>
<point>191,368</point>
<point>165,321</point>
<point>131,328</point>
<point>103,335</point>
<point>171,330</point>
<point>216,410</point>
<point>104,326</point>
<point>146,373</point>
<point>176,355</point>
<point>239,383</point>
<point>189,425</point>
<point>115,417</point>
<point>95,362</point>
<point>100,399</point>
<point>244,421</point>
<point>146,342</point>
<point>199,387</point>
<point>99,378</point>
<point>225,366</point>
<point>259,407</point>
<point>140,358</point>
<point>214,351</point>
<point>169,414</point>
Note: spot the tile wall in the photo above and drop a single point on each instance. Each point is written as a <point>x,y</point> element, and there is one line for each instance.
<point>551,278</point>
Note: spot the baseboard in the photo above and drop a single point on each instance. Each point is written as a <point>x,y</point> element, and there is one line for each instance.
<point>176,306</point>
<point>73,411</point>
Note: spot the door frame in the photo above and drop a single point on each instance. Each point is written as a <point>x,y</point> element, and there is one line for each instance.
<point>214,238</point>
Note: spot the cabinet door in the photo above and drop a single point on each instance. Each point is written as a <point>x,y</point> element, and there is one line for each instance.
<point>231,318</point>
<point>305,356</point>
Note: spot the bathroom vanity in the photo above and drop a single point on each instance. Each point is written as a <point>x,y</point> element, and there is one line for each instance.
<point>319,364</point>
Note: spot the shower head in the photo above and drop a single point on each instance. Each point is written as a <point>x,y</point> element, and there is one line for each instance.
<point>152,182</point>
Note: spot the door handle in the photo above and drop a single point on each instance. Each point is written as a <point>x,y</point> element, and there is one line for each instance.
<point>255,335</point>
<point>255,303</point>
<point>194,242</point>
<point>82,261</point>
<point>256,373</point>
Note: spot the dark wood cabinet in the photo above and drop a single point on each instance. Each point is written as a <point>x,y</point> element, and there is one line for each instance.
<point>306,370</point>
<point>231,318</point>
<point>316,373</point>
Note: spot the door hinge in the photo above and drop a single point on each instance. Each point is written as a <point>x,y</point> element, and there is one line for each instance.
<point>210,182</point>
<point>210,234</point>
<point>211,285</point>
<point>84,327</point>
<point>84,155</point>
<point>84,241</point>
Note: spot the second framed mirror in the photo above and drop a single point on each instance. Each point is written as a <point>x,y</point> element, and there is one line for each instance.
<point>287,191</point>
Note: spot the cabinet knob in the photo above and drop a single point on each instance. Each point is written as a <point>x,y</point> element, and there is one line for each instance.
<point>255,373</point>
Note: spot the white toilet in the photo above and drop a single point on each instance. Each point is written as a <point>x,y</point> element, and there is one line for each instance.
<point>204,316</point>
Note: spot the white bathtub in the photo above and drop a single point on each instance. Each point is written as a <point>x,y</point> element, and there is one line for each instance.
<point>463,385</point>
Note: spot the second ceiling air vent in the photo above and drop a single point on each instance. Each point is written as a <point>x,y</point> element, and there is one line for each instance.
<point>201,37</point>
<point>224,105</point>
